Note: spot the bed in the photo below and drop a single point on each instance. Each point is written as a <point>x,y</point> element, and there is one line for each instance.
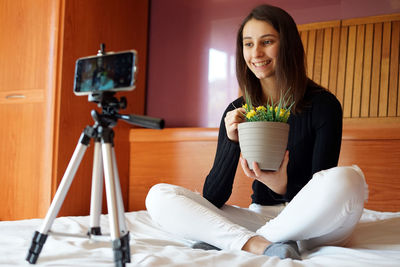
<point>177,152</point>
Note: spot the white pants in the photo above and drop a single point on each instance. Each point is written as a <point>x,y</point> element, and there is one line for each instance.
<point>324,212</point>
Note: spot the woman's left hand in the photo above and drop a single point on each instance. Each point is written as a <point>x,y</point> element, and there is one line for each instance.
<point>275,180</point>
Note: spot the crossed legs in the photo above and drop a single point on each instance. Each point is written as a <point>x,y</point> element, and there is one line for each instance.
<point>325,211</point>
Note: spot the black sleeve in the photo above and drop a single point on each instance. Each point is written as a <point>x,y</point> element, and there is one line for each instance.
<point>219,182</point>
<point>327,124</point>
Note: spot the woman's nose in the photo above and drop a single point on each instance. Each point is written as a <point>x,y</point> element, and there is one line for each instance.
<point>257,51</point>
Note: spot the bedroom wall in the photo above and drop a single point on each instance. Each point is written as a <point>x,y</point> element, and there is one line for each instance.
<point>191,75</point>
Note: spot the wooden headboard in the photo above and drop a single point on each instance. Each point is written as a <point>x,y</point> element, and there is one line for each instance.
<point>184,156</point>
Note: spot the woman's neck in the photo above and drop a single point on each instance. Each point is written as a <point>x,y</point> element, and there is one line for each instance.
<point>269,89</point>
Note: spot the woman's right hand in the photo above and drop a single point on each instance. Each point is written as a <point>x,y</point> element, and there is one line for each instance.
<point>232,119</point>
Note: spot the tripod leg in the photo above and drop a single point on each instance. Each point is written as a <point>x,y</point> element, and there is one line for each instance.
<point>97,190</point>
<point>119,244</point>
<point>121,213</point>
<point>40,236</point>
<point>112,204</point>
<point>120,202</point>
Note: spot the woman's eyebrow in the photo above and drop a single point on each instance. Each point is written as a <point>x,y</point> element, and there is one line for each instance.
<point>262,36</point>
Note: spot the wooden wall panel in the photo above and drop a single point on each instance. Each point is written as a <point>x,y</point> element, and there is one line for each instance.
<point>385,64</point>
<point>394,69</point>
<point>326,57</point>
<point>304,39</point>
<point>357,82</point>
<point>349,76</point>
<point>341,76</point>
<point>319,46</point>
<point>311,51</point>
<point>334,65</point>
<point>376,64</point>
<point>367,69</point>
<point>358,61</point>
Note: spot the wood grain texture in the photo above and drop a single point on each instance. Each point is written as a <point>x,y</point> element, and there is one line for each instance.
<point>376,64</point>
<point>22,96</point>
<point>357,60</point>
<point>318,57</point>
<point>358,79</point>
<point>182,156</point>
<point>311,52</point>
<point>26,62</point>
<point>371,19</point>
<point>21,161</point>
<point>385,65</point>
<point>375,147</point>
<point>326,57</point>
<point>333,75</point>
<point>394,69</point>
<point>342,71</point>
<point>349,78</point>
<point>367,69</point>
<point>319,25</point>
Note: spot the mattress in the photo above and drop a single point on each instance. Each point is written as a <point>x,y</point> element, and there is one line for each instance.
<point>375,242</point>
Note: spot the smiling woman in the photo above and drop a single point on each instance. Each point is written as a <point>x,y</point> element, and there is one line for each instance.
<point>269,64</point>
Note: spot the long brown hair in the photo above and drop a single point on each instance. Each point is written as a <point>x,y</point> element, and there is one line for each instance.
<point>290,67</point>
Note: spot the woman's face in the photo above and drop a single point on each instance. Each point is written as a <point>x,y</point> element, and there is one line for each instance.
<point>260,48</point>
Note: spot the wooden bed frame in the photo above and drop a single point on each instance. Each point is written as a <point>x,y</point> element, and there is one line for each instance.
<point>184,156</point>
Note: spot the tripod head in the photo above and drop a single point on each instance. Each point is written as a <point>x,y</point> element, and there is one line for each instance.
<point>111,105</point>
<point>109,116</point>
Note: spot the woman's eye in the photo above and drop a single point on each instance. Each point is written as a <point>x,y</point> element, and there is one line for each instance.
<point>267,42</point>
<point>247,44</point>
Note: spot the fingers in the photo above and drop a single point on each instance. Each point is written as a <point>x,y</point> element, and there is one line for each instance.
<point>235,116</point>
<point>275,180</point>
<point>245,167</point>
<point>256,169</point>
<point>232,119</point>
<point>257,172</point>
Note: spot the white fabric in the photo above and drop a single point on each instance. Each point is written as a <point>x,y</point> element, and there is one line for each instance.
<point>325,211</point>
<point>374,242</point>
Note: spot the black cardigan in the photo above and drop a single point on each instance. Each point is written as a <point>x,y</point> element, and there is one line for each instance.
<point>314,144</point>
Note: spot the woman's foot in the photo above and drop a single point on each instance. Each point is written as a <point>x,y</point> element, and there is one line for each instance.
<point>261,246</point>
<point>283,250</point>
<point>256,244</point>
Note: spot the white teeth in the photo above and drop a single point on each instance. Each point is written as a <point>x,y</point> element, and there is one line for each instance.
<point>260,64</point>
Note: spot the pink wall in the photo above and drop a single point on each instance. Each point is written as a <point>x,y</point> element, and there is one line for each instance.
<point>191,73</point>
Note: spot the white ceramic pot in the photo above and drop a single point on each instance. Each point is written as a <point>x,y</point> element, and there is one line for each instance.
<point>263,142</point>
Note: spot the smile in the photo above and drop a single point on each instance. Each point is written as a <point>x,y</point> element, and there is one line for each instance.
<point>262,63</point>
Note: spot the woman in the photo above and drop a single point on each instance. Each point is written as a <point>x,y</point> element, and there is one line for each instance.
<point>308,201</point>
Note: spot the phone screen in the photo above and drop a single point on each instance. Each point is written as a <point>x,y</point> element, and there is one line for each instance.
<point>111,72</point>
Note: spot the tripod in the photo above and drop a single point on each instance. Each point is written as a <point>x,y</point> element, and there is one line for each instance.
<point>104,158</point>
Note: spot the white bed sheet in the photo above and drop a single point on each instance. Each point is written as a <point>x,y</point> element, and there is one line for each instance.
<point>375,242</point>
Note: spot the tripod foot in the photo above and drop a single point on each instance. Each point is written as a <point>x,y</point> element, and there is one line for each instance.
<point>38,241</point>
<point>94,231</point>
<point>121,248</point>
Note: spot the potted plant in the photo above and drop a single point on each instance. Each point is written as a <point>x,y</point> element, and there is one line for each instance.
<point>263,136</point>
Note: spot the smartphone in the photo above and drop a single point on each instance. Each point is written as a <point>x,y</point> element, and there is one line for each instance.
<point>110,72</point>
